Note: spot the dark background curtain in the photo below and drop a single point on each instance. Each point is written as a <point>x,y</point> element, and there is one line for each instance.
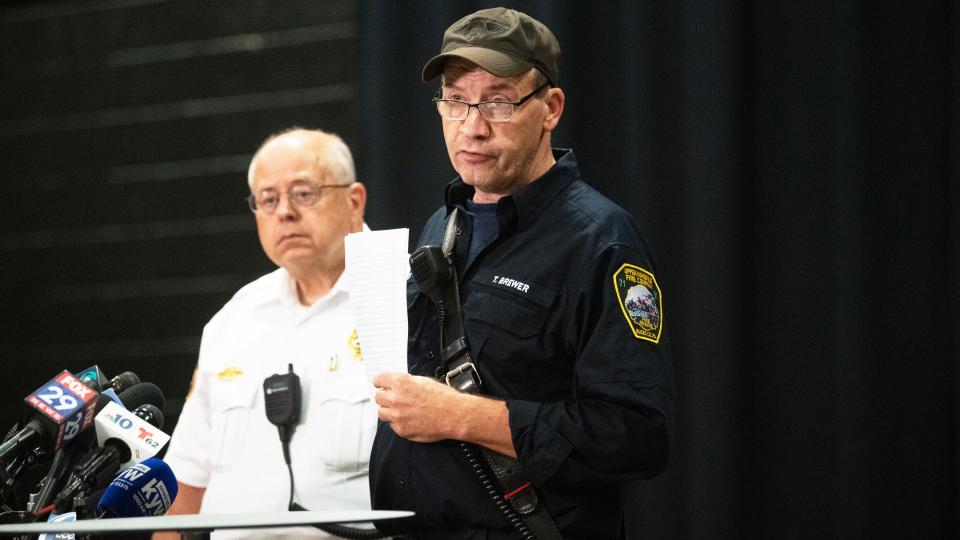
<point>793,164</point>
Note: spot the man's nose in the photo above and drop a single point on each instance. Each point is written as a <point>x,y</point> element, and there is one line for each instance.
<point>475,125</point>
<point>285,209</point>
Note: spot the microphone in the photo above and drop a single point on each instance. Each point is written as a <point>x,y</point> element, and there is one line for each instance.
<point>96,379</point>
<point>281,397</point>
<point>140,439</point>
<point>123,381</point>
<point>64,407</point>
<point>93,377</point>
<point>145,489</point>
<point>141,393</point>
<point>62,460</point>
<point>64,410</point>
<point>431,270</point>
<point>150,413</point>
<point>99,466</point>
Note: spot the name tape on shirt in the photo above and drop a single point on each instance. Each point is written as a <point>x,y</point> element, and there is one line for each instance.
<point>510,283</point>
<point>640,300</point>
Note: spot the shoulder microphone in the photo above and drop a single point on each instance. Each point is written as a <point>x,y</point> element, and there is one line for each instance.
<point>281,397</point>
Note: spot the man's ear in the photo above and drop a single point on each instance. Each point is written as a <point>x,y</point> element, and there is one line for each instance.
<point>554,101</point>
<point>357,194</point>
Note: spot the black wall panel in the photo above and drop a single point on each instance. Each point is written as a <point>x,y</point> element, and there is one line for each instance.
<point>126,128</point>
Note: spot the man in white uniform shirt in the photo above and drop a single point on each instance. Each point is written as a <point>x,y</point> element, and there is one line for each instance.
<point>226,455</point>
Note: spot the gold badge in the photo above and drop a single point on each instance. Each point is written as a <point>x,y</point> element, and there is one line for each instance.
<point>230,373</point>
<point>354,342</point>
<point>639,297</point>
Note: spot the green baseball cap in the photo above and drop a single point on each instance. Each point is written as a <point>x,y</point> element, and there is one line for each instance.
<point>500,40</point>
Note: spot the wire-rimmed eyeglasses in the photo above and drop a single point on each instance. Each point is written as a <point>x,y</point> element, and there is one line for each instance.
<point>491,111</point>
<point>301,195</point>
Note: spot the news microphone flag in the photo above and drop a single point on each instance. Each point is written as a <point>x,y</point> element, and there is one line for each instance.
<point>145,489</point>
<point>144,439</point>
<point>66,402</point>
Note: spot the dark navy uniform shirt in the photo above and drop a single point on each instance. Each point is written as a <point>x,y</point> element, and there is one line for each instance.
<point>564,315</point>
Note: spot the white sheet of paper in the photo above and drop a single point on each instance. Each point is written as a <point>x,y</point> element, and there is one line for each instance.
<point>377,267</point>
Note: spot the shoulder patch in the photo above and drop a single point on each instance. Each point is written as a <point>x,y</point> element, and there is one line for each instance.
<point>638,296</point>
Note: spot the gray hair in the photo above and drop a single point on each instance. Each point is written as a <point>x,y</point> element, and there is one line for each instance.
<point>335,155</point>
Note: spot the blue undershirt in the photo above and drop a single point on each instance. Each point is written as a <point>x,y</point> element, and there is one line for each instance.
<point>485,227</point>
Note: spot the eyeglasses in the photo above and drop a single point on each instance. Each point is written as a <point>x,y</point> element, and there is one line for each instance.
<point>301,195</point>
<point>491,111</point>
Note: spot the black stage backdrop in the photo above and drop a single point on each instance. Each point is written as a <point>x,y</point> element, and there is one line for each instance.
<point>795,167</point>
<point>794,164</point>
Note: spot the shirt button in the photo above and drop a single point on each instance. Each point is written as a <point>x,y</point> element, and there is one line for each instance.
<point>430,355</point>
<point>459,231</point>
<point>403,483</point>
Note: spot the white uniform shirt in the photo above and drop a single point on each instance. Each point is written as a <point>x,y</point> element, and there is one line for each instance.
<point>223,440</point>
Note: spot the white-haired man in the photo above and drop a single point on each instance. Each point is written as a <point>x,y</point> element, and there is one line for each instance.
<point>226,455</point>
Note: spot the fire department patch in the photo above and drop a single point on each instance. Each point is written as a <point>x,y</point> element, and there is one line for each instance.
<point>639,297</point>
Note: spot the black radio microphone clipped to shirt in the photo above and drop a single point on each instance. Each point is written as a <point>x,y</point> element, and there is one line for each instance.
<point>281,397</point>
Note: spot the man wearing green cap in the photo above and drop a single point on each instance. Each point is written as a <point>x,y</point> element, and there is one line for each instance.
<point>560,389</point>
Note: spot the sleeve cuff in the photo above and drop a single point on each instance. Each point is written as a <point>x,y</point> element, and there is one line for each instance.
<point>540,448</point>
<point>187,471</point>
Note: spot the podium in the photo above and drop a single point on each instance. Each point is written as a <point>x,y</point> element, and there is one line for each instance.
<point>204,523</point>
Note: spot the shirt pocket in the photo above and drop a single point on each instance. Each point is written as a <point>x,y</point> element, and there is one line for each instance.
<point>350,418</point>
<point>231,404</point>
<point>505,328</point>
<point>520,310</point>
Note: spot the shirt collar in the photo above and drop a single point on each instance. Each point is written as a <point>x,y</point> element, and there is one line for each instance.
<point>284,289</point>
<point>530,200</point>
<point>285,292</point>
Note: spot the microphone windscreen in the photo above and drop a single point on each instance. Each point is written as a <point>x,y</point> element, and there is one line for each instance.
<point>151,414</point>
<point>145,489</point>
<point>125,380</point>
<point>141,393</point>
